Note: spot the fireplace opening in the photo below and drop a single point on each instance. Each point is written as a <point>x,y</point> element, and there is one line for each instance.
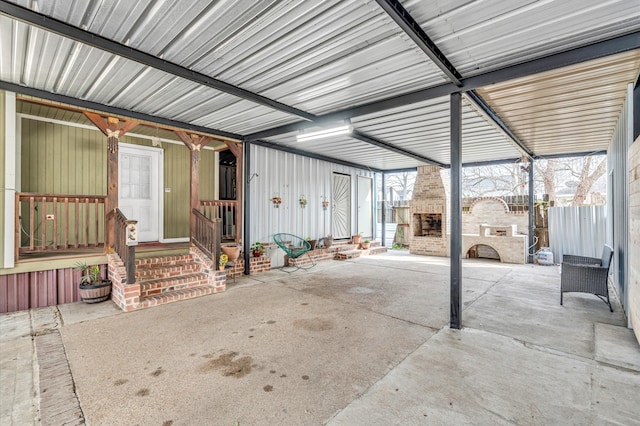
<point>427,225</point>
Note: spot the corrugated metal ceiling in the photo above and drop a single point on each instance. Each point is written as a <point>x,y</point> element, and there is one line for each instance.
<point>573,109</point>
<point>320,57</point>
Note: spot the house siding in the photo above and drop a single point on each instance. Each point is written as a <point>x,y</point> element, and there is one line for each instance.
<point>63,159</point>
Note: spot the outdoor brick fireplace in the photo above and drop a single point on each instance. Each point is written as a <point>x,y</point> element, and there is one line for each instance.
<point>428,209</point>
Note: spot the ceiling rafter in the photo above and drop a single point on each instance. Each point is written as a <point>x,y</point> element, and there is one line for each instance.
<point>405,21</point>
<point>376,142</point>
<point>474,98</point>
<point>309,154</point>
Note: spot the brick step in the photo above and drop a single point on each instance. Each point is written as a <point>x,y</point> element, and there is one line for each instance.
<point>354,254</point>
<point>347,246</point>
<point>375,250</point>
<point>163,285</point>
<point>348,254</point>
<point>176,296</point>
<point>155,262</point>
<point>157,271</point>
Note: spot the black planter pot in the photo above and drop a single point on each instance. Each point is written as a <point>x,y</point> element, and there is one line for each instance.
<point>95,293</point>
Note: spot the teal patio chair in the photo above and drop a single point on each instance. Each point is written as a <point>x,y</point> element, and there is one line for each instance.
<point>295,247</point>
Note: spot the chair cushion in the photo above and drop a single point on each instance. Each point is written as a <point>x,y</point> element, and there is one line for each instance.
<point>607,254</point>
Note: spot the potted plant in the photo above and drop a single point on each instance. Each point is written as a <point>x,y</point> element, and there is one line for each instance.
<point>257,249</point>
<point>232,251</point>
<point>365,244</point>
<point>93,288</point>
<point>327,241</point>
<point>222,262</point>
<point>312,243</point>
<point>356,239</point>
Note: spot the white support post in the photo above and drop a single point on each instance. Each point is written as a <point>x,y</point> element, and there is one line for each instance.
<point>9,190</point>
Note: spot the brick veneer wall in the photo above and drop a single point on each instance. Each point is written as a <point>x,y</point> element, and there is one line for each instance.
<point>429,196</point>
<point>634,237</point>
<point>493,211</point>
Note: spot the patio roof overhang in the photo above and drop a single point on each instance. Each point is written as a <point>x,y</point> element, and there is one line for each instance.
<point>261,72</point>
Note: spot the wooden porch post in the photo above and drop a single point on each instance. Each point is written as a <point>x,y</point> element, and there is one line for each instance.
<point>113,129</point>
<point>236,150</point>
<point>195,143</point>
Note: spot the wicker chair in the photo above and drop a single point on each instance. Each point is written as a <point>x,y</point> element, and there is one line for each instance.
<point>295,247</point>
<point>587,275</point>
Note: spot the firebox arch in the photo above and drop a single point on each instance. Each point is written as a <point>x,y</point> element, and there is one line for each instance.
<point>467,247</point>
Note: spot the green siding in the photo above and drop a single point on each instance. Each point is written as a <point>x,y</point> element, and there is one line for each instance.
<point>208,169</point>
<point>176,202</point>
<point>2,175</point>
<point>70,160</point>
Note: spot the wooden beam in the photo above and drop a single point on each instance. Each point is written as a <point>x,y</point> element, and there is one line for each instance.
<point>235,149</point>
<point>112,126</point>
<point>195,143</point>
<point>239,177</point>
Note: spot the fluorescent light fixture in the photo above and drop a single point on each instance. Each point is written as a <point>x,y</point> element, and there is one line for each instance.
<point>334,131</point>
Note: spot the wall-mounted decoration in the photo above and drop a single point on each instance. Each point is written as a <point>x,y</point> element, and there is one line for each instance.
<point>325,203</point>
<point>276,202</point>
<point>303,202</point>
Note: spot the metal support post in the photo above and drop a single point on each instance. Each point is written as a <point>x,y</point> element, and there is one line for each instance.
<point>246,242</point>
<point>456,210</point>
<point>383,217</point>
<point>532,219</point>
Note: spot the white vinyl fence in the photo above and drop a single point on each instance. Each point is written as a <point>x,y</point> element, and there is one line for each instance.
<point>579,231</point>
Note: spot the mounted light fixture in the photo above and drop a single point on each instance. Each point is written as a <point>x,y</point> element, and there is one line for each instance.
<point>325,133</point>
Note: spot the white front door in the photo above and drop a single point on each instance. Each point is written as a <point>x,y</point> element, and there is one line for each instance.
<point>139,196</point>
<point>365,206</point>
<point>341,206</point>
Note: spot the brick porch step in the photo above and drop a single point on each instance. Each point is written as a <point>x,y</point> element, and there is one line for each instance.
<point>156,262</point>
<point>176,295</point>
<point>165,270</point>
<point>163,285</point>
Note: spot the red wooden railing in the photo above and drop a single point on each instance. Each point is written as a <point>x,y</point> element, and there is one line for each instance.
<point>125,250</point>
<point>58,222</point>
<point>206,235</point>
<point>227,211</point>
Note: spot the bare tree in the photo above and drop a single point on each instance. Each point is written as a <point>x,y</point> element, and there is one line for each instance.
<point>402,183</point>
<point>578,174</point>
<point>587,178</point>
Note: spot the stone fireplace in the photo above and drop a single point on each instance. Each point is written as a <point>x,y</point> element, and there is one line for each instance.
<point>428,208</point>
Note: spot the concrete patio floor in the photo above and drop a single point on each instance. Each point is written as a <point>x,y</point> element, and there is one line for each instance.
<point>362,342</point>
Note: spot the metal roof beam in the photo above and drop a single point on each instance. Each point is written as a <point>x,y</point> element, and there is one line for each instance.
<point>409,25</point>
<point>315,156</point>
<point>479,102</point>
<point>569,155</point>
<point>559,60</point>
<point>56,97</point>
<point>61,28</point>
<point>385,145</point>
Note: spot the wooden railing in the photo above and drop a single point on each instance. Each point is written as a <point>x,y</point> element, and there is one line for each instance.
<point>207,234</point>
<point>58,222</point>
<point>125,243</point>
<point>227,211</point>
